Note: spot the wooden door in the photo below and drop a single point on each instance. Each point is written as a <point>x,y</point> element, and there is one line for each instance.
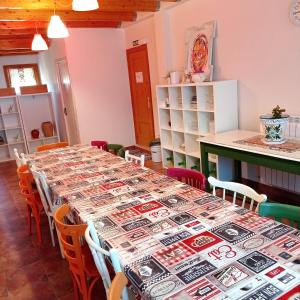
<point>141,98</point>
<point>64,84</point>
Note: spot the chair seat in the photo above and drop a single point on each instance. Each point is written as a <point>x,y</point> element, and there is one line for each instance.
<point>88,260</point>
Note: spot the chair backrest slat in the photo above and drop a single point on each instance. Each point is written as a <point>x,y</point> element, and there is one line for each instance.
<point>238,189</point>
<point>191,177</point>
<point>135,159</point>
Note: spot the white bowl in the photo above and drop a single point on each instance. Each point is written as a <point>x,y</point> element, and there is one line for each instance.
<point>199,77</point>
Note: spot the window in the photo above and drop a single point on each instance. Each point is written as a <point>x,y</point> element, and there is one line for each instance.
<point>22,75</point>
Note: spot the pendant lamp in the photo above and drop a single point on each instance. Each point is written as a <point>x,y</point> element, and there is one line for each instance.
<point>85,5</point>
<point>38,43</point>
<point>56,28</point>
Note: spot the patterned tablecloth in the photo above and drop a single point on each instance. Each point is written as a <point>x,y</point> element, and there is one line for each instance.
<point>174,241</point>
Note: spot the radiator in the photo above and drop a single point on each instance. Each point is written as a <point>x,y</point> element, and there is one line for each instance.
<point>272,177</point>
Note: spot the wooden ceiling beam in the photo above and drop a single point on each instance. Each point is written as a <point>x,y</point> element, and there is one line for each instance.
<point>104,5</point>
<point>24,44</point>
<point>44,15</point>
<point>13,53</point>
<point>25,25</point>
<point>21,36</point>
<point>21,31</point>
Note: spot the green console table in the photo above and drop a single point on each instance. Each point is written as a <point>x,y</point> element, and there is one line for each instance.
<point>225,144</point>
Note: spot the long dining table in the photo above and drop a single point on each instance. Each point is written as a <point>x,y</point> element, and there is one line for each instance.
<point>174,241</point>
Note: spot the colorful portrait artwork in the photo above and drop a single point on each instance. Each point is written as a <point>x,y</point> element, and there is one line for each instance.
<point>199,49</point>
<point>199,55</point>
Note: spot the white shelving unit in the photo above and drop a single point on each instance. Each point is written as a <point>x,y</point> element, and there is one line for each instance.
<point>188,112</point>
<point>19,114</point>
<point>42,104</point>
<point>11,129</point>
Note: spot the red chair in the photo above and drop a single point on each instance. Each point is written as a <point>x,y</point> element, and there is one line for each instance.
<point>100,144</point>
<point>190,177</point>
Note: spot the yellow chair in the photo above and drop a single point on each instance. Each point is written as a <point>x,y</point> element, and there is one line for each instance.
<point>118,284</point>
<point>52,146</point>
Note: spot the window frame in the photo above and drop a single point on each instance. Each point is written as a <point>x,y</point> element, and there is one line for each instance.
<point>35,68</point>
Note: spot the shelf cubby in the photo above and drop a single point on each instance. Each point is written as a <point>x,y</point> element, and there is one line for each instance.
<point>178,142</point>
<point>177,120</point>
<point>168,158</point>
<point>206,123</point>
<point>193,163</point>
<point>166,139</point>
<point>189,95</point>
<point>205,98</point>
<point>165,118</point>
<point>192,146</point>
<point>163,98</point>
<point>190,120</point>
<point>179,160</point>
<point>175,97</point>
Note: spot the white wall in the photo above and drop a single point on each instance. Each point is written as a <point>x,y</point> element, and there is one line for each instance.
<point>99,78</point>
<point>256,44</point>
<point>47,67</point>
<point>14,60</point>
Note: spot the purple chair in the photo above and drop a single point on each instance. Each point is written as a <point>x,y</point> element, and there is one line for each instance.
<point>190,177</point>
<point>100,144</point>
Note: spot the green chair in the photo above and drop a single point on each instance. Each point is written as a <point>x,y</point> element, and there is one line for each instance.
<point>281,211</point>
<point>114,148</point>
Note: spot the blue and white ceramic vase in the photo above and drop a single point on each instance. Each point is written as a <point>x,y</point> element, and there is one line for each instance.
<point>274,129</point>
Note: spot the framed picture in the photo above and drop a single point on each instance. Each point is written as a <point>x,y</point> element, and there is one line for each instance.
<point>199,49</point>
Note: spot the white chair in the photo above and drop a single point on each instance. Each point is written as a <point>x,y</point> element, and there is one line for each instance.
<point>43,189</point>
<point>237,188</point>
<point>135,159</point>
<point>99,255</point>
<point>20,158</point>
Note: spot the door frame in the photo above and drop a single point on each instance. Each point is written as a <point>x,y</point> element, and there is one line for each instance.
<point>58,79</point>
<point>130,51</point>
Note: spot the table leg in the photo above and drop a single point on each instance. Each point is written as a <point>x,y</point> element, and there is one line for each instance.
<point>237,170</point>
<point>204,163</point>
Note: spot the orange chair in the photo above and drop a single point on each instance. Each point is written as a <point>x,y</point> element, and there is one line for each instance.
<point>33,200</point>
<point>52,146</point>
<point>76,251</point>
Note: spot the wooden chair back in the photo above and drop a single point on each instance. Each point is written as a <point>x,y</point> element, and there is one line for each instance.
<point>118,284</point>
<point>71,237</point>
<point>237,189</point>
<point>281,213</point>
<point>140,160</point>
<point>190,177</point>
<point>52,146</point>
<point>100,144</point>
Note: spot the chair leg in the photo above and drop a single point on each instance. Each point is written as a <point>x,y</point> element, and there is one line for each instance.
<point>38,229</point>
<point>29,220</point>
<point>51,227</point>
<point>75,288</point>
<point>90,289</point>
<point>59,243</point>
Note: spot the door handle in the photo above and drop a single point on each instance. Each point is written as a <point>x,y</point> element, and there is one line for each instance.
<point>148,102</point>
<point>65,111</point>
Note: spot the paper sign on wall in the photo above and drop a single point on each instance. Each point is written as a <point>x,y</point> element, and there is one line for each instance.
<point>139,77</point>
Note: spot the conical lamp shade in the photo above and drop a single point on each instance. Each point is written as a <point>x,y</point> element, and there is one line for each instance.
<point>84,5</point>
<point>38,43</point>
<point>56,28</point>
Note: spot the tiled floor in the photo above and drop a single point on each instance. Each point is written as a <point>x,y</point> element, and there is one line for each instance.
<point>28,271</point>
